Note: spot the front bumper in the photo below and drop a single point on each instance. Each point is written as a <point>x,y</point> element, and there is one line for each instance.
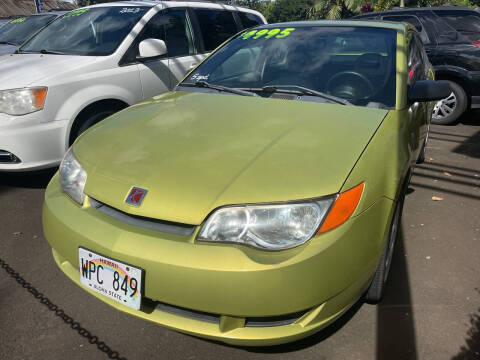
<point>320,279</point>
<point>36,143</point>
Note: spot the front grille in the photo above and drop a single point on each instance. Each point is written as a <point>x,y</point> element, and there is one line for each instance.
<point>144,222</point>
<point>269,321</point>
<point>7,157</point>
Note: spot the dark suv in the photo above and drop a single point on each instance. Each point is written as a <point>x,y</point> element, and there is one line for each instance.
<point>451,36</point>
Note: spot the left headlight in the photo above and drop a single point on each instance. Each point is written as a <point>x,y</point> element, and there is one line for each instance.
<point>22,101</point>
<point>269,227</point>
<point>72,177</point>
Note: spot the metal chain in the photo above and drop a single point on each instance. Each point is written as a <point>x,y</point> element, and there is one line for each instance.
<point>92,339</point>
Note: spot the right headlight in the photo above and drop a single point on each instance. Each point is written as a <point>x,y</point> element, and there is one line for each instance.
<point>72,177</point>
<point>279,226</point>
<point>22,101</point>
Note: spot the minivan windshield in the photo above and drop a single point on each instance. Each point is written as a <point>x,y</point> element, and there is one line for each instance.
<point>16,31</point>
<point>94,31</point>
<point>354,64</point>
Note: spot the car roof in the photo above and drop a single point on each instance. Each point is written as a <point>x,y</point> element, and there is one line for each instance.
<point>193,3</point>
<point>360,23</point>
<point>412,9</point>
<point>58,13</point>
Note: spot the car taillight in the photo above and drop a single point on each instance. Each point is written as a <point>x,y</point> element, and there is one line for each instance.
<point>476,43</point>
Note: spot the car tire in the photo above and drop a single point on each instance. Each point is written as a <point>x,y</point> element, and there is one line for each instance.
<point>449,110</point>
<point>90,118</point>
<point>375,291</point>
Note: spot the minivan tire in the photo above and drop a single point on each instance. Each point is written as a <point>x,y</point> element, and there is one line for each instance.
<point>457,101</point>
<point>90,118</point>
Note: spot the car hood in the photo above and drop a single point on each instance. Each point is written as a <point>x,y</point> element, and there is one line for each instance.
<point>194,152</point>
<point>21,70</point>
<point>6,49</point>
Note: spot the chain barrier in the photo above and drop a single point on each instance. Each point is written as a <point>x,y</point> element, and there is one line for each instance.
<point>92,339</point>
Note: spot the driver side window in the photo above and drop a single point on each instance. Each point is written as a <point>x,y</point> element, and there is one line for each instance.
<point>171,26</point>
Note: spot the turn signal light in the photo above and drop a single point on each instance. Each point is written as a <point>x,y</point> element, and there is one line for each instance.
<point>343,208</point>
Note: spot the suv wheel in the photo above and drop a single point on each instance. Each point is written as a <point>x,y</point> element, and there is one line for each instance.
<point>448,110</point>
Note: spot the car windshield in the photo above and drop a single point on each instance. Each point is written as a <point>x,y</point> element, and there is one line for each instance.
<point>20,29</point>
<point>90,31</point>
<point>353,64</point>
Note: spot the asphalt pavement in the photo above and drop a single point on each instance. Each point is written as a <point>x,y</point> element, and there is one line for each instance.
<point>431,309</point>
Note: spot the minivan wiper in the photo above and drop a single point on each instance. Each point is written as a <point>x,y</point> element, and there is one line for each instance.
<point>300,90</point>
<point>45,51</point>
<point>8,43</point>
<point>204,84</point>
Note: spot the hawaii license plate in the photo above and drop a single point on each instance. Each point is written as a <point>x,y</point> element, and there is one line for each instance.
<point>111,278</point>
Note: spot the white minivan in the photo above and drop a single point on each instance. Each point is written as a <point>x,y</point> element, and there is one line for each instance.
<point>95,61</point>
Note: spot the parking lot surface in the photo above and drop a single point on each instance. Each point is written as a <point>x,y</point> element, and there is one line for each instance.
<point>431,309</point>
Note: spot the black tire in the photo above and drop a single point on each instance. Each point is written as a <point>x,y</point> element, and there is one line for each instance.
<point>90,117</point>
<point>375,291</point>
<point>421,156</point>
<point>449,110</point>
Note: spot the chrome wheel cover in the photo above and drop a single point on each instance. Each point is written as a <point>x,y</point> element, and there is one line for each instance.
<point>445,107</point>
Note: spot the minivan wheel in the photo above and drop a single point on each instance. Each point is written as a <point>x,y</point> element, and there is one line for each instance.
<point>89,118</point>
<point>375,291</point>
<point>448,110</point>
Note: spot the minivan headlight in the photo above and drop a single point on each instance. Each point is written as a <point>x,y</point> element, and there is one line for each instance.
<point>22,101</point>
<point>72,177</point>
<point>268,227</point>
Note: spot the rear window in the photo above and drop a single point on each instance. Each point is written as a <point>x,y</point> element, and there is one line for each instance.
<point>216,26</point>
<point>465,22</point>
<point>249,20</point>
<point>411,19</point>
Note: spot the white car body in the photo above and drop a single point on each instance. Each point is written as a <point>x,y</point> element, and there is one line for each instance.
<point>40,139</point>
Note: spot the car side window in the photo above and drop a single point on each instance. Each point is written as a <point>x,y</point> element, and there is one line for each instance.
<point>171,26</point>
<point>411,19</point>
<point>249,20</point>
<point>216,26</point>
<point>415,61</point>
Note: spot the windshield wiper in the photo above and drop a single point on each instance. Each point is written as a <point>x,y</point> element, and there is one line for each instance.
<point>8,43</point>
<point>204,84</point>
<point>300,90</point>
<point>45,51</point>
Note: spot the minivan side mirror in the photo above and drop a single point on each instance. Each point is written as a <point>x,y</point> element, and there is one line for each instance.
<point>428,90</point>
<point>151,48</point>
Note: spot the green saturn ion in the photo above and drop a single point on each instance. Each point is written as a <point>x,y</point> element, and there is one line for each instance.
<point>260,199</point>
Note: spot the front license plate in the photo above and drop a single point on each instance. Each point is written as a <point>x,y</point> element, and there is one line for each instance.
<point>111,278</point>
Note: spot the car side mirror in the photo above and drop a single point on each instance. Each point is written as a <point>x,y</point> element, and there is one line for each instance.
<point>428,90</point>
<point>151,48</point>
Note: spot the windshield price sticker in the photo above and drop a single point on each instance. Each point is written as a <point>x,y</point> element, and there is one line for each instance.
<point>129,10</point>
<point>76,12</point>
<point>19,20</point>
<point>268,33</point>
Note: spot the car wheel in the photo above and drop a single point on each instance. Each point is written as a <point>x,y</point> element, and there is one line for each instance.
<point>448,110</point>
<point>89,119</point>
<point>375,291</point>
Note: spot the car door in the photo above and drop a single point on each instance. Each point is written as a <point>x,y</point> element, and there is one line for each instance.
<point>418,69</point>
<point>181,44</point>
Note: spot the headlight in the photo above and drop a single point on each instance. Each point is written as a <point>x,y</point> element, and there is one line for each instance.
<point>72,177</point>
<point>280,226</point>
<point>22,101</point>
<point>271,227</point>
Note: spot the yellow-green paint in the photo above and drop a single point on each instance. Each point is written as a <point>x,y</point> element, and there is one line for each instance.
<point>194,152</point>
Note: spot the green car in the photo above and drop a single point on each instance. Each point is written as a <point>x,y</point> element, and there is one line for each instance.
<point>259,200</point>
